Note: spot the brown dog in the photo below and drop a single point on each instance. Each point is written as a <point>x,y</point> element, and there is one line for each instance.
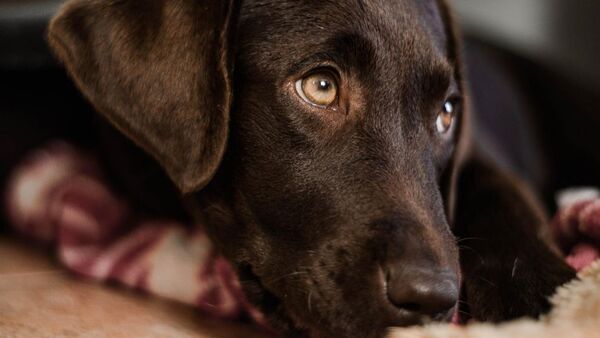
<point>327,145</point>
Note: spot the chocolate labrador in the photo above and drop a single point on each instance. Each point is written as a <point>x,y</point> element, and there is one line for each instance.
<point>327,146</point>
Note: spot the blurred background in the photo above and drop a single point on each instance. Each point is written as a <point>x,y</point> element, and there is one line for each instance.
<point>562,34</point>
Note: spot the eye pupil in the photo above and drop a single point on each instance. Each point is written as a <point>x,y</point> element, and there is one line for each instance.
<point>324,85</point>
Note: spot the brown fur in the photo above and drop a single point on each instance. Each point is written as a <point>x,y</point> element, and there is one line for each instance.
<point>123,57</point>
<point>316,207</point>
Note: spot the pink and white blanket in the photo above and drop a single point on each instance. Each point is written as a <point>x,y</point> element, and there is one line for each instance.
<point>58,196</point>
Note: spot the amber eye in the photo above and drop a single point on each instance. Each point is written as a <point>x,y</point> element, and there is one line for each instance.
<point>445,119</point>
<point>319,89</point>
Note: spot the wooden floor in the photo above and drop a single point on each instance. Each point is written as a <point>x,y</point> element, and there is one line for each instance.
<point>38,299</point>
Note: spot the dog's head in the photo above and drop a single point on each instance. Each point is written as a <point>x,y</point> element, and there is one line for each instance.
<point>321,138</point>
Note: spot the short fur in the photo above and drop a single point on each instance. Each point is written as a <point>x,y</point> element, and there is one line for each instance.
<point>312,207</point>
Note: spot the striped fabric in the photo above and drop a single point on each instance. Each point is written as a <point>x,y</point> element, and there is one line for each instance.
<point>576,226</point>
<point>58,197</point>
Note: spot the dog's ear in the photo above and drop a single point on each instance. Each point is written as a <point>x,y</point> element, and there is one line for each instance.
<point>160,71</point>
<point>463,142</point>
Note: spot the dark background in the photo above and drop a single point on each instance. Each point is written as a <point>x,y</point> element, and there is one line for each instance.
<point>563,34</point>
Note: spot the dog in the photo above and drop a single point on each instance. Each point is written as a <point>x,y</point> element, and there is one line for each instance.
<point>328,145</point>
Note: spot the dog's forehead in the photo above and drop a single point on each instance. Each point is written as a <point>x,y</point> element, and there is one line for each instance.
<point>407,17</point>
<point>301,24</point>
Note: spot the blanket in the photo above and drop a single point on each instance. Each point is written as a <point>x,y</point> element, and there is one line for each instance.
<point>59,196</point>
<point>575,314</point>
<point>575,306</point>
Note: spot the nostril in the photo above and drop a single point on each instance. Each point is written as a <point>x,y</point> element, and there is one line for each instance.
<point>427,293</point>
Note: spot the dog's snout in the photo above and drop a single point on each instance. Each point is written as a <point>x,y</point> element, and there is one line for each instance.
<point>427,292</point>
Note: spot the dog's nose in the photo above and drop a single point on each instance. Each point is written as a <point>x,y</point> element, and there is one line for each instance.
<point>428,292</point>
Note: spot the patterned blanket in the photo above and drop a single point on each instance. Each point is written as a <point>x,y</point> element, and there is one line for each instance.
<point>59,196</point>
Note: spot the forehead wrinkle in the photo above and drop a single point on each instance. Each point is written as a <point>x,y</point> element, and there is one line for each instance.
<point>354,49</point>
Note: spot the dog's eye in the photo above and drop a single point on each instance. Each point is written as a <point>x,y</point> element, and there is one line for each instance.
<point>319,89</point>
<point>445,119</point>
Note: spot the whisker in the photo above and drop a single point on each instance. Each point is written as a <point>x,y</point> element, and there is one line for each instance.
<point>460,240</point>
<point>291,274</point>
<point>488,281</point>
<point>514,269</point>
<point>466,247</point>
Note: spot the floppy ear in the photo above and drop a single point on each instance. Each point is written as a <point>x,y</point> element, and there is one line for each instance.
<point>160,70</point>
<point>463,142</point>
